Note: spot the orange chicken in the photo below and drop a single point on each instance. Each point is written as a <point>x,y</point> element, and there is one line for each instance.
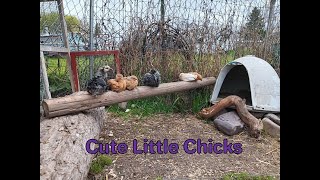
<point>118,84</point>
<point>131,82</point>
<point>199,77</point>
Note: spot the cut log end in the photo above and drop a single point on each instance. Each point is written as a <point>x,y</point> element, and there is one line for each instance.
<point>62,142</point>
<point>45,108</point>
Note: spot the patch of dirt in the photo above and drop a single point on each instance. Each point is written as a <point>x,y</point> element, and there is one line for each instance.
<point>258,157</point>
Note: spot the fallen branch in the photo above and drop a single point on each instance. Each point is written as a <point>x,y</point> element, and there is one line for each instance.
<point>254,124</point>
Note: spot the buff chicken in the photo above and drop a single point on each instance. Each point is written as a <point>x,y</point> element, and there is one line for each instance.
<point>131,82</point>
<point>118,84</point>
<point>191,76</point>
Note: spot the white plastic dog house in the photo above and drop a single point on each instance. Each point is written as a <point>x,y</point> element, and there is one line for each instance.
<point>251,78</point>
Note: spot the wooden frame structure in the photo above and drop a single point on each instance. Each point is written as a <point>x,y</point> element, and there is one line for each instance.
<point>64,50</point>
<point>75,54</point>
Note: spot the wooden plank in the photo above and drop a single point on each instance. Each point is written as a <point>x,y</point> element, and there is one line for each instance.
<point>44,75</point>
<point>80,101</point>
<point>66,43</point>
<point>53,49</point>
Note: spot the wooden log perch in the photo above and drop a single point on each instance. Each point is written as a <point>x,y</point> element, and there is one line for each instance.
<point>254,124</point>
<point>83,101</point>
<point>62,144</point>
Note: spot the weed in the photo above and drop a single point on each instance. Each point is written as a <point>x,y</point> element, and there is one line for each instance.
<point>245,176</point>
<point>99,163</point>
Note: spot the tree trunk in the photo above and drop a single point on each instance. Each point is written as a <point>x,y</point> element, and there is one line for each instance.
<point>62,144</point>
<point>82,100</point>
<point>254,124</point>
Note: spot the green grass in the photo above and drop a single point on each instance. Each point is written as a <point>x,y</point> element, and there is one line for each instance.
<point>159,178</point>
<point>99,163</point>
<point>187,102</point>
<point>58,74</point>
<point>143,107</point>
<point>245,176</point>
<point>200,100</point>
<point>56,66</point>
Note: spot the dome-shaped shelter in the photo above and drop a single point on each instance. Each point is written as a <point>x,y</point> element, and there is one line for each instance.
<point>251,78</point>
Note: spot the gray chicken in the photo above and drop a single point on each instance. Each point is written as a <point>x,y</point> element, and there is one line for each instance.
<point>97,85</point>
<point>152,78</point>
<point>106,72</point>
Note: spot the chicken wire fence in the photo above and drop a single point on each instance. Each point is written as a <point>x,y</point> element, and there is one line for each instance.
<point>169,35</point>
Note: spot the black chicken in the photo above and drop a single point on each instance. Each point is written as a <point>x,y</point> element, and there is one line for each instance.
<point>97,85</point>
<point>152,78</point>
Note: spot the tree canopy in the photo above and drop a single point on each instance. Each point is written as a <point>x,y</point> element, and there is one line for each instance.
<point>52,22</point>
<point>255,27</point>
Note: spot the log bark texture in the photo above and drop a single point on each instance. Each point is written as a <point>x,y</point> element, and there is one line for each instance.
<point>254,124</point>
<point>62,144</point>
<point>83,100</point>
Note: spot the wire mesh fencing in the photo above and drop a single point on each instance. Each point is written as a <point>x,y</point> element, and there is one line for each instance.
<point>198,35</point>
<point>170,35</point>
<point>50,25</point>
<point>58,76</point>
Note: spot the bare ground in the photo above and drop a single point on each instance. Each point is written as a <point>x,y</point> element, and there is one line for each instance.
<point>259,156</point>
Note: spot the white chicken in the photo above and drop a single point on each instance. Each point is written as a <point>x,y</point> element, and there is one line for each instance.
<point>191,76</point>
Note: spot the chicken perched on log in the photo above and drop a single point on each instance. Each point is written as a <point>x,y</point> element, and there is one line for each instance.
<point>110,73</point>
<point>106,72</point>
<point>152,78</point>
<point>97,85</point>
<point>131,82</point>
<point>118,84</point>
<point>191,76</point>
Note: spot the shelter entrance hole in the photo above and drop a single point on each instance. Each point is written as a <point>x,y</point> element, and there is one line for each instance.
<point>237,83</point>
